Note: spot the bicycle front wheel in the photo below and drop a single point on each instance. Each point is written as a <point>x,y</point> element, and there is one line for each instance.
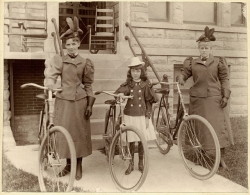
<point>51,165</point>
<point>199,147</point>
<point>162,130</point>
<point>121,156</point>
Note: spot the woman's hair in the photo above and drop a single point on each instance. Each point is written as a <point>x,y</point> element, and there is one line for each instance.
<point>73,38</point>
<point>207,43</point>
<point>143,75</point>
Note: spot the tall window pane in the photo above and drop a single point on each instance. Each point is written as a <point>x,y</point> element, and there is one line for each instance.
<point>236,14</point>
<point>199,12</point>
<point>157,10</point>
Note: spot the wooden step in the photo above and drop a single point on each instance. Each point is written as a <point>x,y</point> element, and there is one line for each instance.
<point>104,18</point>
<point>102,34</point>
<point>104,10</point>
<point>104,25</point>
<point>107,84</point>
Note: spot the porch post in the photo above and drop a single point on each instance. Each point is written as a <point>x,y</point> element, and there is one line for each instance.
<point>52,12</point>
<point>124,16</point>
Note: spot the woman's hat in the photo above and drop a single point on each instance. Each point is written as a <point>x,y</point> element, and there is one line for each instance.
<point>207,36</point>
<point>74,30</point>
<point>135,61</point>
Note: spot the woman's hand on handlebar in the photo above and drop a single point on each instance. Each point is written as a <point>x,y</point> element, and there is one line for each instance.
<point>180,79</point>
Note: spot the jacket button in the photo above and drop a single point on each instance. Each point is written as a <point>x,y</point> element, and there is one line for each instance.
<point>139,90</point>
<point>139,98</point>
<point>131,90</point>
<point>139,105</point>
<point>131,105</point>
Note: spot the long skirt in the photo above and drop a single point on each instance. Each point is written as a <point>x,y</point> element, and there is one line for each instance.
<point>140,123</point>
<point>71,116</point>
<point>218,117</point>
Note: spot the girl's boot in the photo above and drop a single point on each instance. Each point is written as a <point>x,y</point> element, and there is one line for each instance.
<point>79,169</point>
<point>140,153</point>
<point>131,164</point>
<point>222,162</point>
<point>66,169</point>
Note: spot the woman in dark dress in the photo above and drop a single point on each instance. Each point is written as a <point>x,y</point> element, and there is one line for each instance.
<point>210,93</point>
<point>73,105</point>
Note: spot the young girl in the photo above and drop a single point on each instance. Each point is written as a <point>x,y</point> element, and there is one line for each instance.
<point>137,111</point>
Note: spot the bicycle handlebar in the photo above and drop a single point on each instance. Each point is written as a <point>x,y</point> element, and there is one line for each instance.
<point>112,94</point>
<point>173,83</point>
<point>38,86</point>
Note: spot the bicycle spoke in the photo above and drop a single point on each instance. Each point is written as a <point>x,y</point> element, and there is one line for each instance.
<point>199,147</point>
<point>49,172</point>
<point>162,129</point>
<point>127,157</point>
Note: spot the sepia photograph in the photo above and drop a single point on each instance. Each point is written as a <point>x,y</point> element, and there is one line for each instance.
<point>125,96</point>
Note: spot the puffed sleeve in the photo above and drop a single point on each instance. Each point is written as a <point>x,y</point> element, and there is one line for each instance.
<point>55,70</point>
<point>223,75</point>
<point>124,88</point>
<point>150,98</point>
<point>186,71</point>
<point>88,77</point>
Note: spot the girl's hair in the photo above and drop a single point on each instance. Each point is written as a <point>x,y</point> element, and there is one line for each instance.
<point>143,75</point>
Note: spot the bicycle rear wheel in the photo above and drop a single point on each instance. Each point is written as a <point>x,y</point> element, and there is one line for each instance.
<point>42,125</point>
<point>109,123</point>
<point>199,147</point>
<point>51,164</point>
<point>162,131</point>
<point>120,158</point>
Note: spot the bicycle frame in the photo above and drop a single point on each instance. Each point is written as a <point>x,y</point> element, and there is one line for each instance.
<point>119,100</point>
<point>181,110</point>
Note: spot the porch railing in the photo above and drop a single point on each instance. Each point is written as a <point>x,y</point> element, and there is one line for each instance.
<point>145,57</point>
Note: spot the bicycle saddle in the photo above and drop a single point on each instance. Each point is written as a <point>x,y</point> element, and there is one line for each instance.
<point>112,102</point>
<point>162,91</point>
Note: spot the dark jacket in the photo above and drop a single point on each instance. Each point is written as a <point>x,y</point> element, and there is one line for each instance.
<point>210,79</point>
<point>143,98</point>
<point>77,75</point>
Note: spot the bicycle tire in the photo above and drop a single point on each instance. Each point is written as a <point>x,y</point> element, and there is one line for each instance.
<point>50,163</point>
<point>113,157</point>
<point>199,147</point>
<point>162,130</point>
<point>108,133</point>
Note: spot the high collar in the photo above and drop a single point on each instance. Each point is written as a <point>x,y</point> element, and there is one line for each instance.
<point>209,60</point>
<point>74,61</point>
<point>141,83</point>
<point>73,56</point>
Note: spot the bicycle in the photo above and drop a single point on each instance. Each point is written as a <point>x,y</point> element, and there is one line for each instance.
<point>50,163</point>
<point>190,132</point>
<point>116,137</point>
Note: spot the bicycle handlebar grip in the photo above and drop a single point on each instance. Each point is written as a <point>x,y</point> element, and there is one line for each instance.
<point>98,92</point>
<point>24,85</point>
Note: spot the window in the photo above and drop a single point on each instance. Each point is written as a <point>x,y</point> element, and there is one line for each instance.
<point>237,18</point>
<point>199,12</point>
<point>158,11</point>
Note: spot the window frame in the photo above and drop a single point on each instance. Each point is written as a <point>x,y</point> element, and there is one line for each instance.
<point>243,18</point>
<point>162,20</point>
